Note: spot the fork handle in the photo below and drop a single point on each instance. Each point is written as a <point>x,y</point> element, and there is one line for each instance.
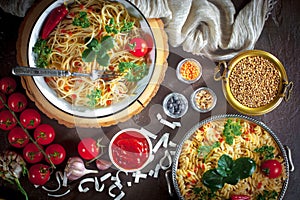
<point>31,71</point>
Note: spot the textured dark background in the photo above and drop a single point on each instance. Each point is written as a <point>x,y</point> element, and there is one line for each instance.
<point>280,37</point>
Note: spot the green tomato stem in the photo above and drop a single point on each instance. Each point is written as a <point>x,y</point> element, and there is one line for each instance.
<point>27,133</point>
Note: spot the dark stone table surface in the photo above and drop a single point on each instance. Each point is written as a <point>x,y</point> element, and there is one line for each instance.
<point>280,36</point>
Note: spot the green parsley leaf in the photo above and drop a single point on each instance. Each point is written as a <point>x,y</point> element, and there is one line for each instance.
<point>133,71</point>
<point>98,50</point>
<point>228,171</point>
<point>127,26</point>
<point>231,130</point>
<point>115,28</point>
<point>42,51</point>
<point>268,195</point>
<point>94,97</point>
<point>266,151</point>
<point>203,151</point>
<point>82,20</point>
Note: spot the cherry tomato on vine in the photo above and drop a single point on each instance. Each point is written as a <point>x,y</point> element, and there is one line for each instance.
<point>88,148</point>
<point>3,97</point>
<point>17,102</point>
<point>138,47</point>
<point>56,153</point>
<point>39,174</point>
<point>17,137</point>
<point>271,168</point>
<point>30,118</point>
<point>8,85</point>
<point>32,154</point>
<point>7,120</point>
<point>44,134</point>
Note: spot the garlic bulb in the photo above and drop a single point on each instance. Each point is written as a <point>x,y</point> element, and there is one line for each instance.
<point>75,169</point>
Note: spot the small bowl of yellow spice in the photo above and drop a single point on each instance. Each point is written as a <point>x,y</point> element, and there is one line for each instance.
<point>189,70</point>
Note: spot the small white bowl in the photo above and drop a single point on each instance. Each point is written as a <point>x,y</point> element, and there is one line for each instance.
<point>197,66</point>
<point>203,99</point>
<point>124,146</point>
<point>175,105</point>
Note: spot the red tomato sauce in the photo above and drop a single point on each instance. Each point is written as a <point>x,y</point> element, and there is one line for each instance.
<point>130,150</point>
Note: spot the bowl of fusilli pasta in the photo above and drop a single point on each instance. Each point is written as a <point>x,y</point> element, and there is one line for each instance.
<point>222,157</point>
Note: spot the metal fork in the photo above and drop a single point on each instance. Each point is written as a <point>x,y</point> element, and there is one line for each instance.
<point>31,71</point>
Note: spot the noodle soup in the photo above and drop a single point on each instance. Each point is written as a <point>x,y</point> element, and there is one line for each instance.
<point>94,35</point>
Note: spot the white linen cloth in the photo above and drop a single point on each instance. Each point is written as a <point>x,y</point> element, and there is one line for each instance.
<point>209,27</point>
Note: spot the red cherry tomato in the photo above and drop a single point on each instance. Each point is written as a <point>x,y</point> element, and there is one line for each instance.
<point>3,97</point>
<point>149,39</point>
<point>240,197</point>
<point>39,174</point>
<point>7,120</point>
<point>17,102</point>
<point>30,118</point>
<point>44,134</point>
<point>271,168</point>
<point>138,47</point>
<point>8,85</point>
<point>17,137</point>
<point>56,153</point>
<point>32,154</point>
<point>88,148</point>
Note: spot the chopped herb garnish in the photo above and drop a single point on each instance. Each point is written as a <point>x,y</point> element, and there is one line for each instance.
<point>127,26</point>
<point>43,52</point>
<point>203,194</point>
<point>268,195</point>
<point>94,97</point>
<point>133,71</point>
<point>98,50</point>
<point>115,28</point>
<point>266,151</point>
<point>81,20</point>
<point>231,129</point>
<point>203,151</point>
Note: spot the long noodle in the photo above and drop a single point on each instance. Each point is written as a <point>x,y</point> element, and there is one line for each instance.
<point>68,41</point>
<point>192,166</point>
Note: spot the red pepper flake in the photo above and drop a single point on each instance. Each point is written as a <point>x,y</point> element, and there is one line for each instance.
<point>58,49</point>
<point>189,174</point>
<point>108,88</point>
<point>111,68</point>
<point>99,33</point>
<point>203,167</point>
<point>72,14</point>
<point>47,79</point>
<point>67,88</point>
<point>247,139</point>
<point>81,6</point>
<point>108,102</point>
<point>73,96</point>
<point>221,139</point>
<point>90,9</point>
<point>259,185</point>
